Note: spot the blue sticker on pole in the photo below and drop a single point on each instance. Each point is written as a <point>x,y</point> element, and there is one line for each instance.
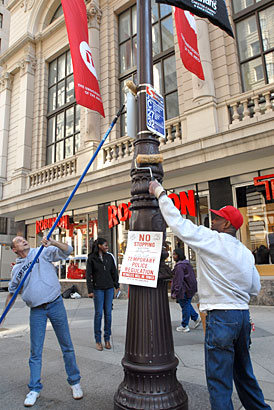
<point>155,108</point>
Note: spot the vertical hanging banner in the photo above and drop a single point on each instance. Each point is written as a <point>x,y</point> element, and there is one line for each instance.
<point>86,85</point>
<point>140,264</point>
<point>188,43</point>
<point>214,10</point>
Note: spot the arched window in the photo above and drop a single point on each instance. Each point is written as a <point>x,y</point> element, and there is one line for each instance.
<point>59,12</point>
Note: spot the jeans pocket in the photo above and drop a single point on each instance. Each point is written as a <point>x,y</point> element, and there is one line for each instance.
<point>221,334</point>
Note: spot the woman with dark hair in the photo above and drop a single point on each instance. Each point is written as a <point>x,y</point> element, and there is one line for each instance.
<point>102,277</point>
<point>183,288</point>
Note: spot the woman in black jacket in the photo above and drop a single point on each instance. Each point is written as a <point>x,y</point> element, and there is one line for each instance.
<point>102,277</point>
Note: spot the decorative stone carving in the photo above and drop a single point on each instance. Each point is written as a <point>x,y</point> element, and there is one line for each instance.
<point>6,81</point>
<point>27,4</point>
<point>27,64</point>
<point>94,14</point>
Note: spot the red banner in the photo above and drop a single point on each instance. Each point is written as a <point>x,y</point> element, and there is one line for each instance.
<point>187,38</point>
<point>86,85</point>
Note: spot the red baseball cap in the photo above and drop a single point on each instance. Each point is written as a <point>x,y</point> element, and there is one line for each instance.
<point>231,214</point>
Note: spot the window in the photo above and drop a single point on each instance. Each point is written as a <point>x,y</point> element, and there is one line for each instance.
<point>59,12</point>
<point>254,20</point>
<point>257,231</point>
<point>63,130</point>
<point>1,20</point>
<point>164,66</point>
<point>259,74</point>
<point>3,226</point>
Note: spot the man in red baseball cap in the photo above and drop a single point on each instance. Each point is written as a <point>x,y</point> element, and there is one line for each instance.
<point>226,277</point>
<point>230,214</point>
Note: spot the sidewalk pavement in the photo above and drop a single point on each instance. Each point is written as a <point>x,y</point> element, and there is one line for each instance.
<point>102,371</point>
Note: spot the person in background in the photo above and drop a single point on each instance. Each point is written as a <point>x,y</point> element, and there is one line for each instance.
<point>262,255</point>
<point>271,246</point>
<point>102,278</point>
<point>183,288</point>
<point>42,293</point>
<point>227,277</point>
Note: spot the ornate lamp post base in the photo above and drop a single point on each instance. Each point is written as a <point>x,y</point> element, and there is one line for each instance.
<point>149,364</point>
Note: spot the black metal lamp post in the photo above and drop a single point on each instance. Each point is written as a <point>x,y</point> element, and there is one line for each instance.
<point>149,363</point>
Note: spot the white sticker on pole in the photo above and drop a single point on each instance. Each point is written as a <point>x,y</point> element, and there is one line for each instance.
<point>142,259</point>
<point>155,108</point>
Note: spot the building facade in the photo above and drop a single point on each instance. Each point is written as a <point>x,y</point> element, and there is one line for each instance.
<point>4,26</point>
<point>219,146</point>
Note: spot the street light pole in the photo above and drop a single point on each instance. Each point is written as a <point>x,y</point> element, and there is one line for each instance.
<point>149,362</point>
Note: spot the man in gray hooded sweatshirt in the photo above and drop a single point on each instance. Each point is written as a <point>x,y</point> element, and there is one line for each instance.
<point>226,277</point>
<point>42,293</point>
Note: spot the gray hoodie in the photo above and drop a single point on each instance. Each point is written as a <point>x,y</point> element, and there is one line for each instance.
<point>42,284</point>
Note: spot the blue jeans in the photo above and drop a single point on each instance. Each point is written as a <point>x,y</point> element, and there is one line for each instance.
<point>57,315</point>
<point>227,357</point>
<point>103,301</point>
<point>187,310</point>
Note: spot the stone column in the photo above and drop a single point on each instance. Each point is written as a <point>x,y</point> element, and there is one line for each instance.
<point>5,98</point>
<point>204,89</point>
<point>92,119</point>
<point>25,122</point>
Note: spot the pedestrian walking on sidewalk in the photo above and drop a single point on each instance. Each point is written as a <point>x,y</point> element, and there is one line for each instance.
<point>227,277</point>
<point>183,288</point>
<point>102,278</point>
<point>42,293</point>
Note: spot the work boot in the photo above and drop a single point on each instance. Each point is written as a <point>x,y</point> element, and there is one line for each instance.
<point>99,346</point>
<point>107,344</point>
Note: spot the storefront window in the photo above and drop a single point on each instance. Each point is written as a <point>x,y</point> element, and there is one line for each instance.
<point>257,232</point>
<point>78,228</point>
<point>202,217</point>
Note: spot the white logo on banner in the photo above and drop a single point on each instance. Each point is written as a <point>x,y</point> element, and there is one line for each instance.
<point>87,57</point>
<point>191,20</point>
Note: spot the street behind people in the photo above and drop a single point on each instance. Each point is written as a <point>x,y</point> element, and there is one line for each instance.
<point>102,278</point>
<point>227,277</point>
<point>183,288</point>
<point>42,293</point>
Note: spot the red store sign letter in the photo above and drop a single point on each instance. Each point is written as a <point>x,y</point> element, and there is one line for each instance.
<point>185,202</point>
<point>118,214</point>
<point>264,180</point>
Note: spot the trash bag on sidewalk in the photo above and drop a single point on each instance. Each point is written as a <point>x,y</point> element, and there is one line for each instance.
<point>68,292</point>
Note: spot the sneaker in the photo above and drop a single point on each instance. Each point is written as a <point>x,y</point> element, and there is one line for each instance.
<point>77,392</point>
<point>197,322</point>
<point>31,398</point>
<point>183,329</point>
<point>99,346</point>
